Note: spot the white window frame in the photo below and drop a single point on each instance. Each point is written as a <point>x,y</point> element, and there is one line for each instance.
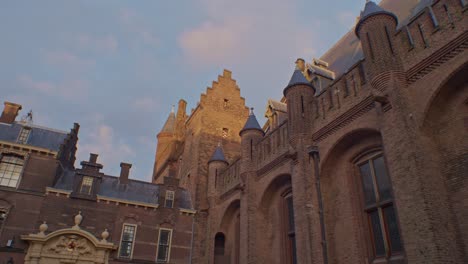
<point>90,188</point>
<point>23,130</point>
<point>168,194</point>
<point>2,155</point>
<point>133,242</point>
<point>169,246</point>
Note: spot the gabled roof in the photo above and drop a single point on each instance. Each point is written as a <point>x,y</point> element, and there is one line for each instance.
<point>218,155</point>
<point>251,123</point>
<point>41,137</point>
<point>298,78</point>
<point>277,106</point>
<point>372,9</point>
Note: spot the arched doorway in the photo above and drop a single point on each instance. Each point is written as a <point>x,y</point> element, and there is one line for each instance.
<point>227,241</point>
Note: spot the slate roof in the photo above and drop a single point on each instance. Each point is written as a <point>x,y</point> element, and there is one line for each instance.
<point>134,190</point>
<point>251,124</point>
<point>372,9</point>
<point>38,137</point>
<point>348,51</point>
<point>218,155</point>
<point>298,78</point>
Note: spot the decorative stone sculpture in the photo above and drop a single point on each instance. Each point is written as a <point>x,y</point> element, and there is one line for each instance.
<point>78,219</point>
<point>42,228</point>
<point>105,235</point>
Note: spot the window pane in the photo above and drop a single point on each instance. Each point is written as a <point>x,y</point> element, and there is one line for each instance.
<point>164,237</point>
<point>392,229</point>
<point>369,195</point>
<point>377,233</point>
<point>383,182</point>
<point>162,253</point>
<point>126,249</point>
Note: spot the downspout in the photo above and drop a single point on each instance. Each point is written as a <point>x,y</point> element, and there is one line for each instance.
<point>191,239</point>
<point>314,153</point>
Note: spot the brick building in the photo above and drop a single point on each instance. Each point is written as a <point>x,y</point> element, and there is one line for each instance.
<point>364,159</point>
<point>52,212</point>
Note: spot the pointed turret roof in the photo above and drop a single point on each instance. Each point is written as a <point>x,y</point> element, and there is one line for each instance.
<point>169,126</point>
<point>372,9</point>
<point>218,155</point>
<point>297,78</point>
<point>252,123</point>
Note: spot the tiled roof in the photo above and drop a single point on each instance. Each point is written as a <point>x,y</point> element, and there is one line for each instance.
<point>134,190</point>
<point>372,9</point>
<point>38,137</point>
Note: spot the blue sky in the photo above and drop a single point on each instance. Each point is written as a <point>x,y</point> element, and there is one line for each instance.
<point>116,67</point>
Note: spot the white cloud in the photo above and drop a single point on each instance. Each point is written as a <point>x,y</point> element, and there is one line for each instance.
<point>106,43</point>
<point>65,59</point>
<point>69,88</point>
<point>251,31</point>
<point>100,139</point>
<point>146,104</point>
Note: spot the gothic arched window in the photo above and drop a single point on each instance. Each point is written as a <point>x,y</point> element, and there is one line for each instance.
<point>289,227</point>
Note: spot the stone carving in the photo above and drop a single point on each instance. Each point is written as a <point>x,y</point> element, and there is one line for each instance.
<point>70,244</point>
<point>78,219</point>
<point>105,235</point>
<point>42,228</point>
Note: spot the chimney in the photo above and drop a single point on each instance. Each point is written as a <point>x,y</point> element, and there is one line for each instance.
<point>10,112</point>
<point>124,172</point>
<point>93,158</point>
<point>181,109</point>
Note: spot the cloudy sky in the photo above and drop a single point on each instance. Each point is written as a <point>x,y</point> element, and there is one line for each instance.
<point>116,67</point>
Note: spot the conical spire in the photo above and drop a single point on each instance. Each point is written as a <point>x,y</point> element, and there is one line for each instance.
<point>170,123</point>
<point>218,155</point>
<point>252,123</point>
<point>297,77</point>
<point>372,9</point>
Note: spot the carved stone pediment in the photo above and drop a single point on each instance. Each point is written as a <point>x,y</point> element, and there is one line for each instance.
<point>70,244</point>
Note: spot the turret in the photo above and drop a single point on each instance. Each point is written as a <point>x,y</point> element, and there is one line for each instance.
<point>216,165</point>
<point>250,135</point>
<point>165,138</point>
<point>376,29</point>
<point>299,94</point>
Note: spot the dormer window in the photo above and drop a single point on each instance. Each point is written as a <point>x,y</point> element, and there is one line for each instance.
<point>23,135</point>
<point>86,185</point>
<point>169,201</point>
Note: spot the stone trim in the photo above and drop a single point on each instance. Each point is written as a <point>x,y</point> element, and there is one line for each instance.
<point>28,149</point>
<point>184,211</point>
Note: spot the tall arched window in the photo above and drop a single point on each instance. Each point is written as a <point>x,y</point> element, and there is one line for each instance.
<point>219,249</point>
<point>11,167</point>
<point>379,207</point>
<point>289,227</point>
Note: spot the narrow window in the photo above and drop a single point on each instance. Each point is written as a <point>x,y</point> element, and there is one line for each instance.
<point>302,105</point>
<point>449,15</point>
<point>23,135</point>
<point>220,240</point>
<point>379,208</point>
<point>330,98</point>
<point>346,88</point>
<point>3,216</point>
<point>362,73</point>
<point>164,245</point>
<point>11,167</point>
<point>86,185</point>
<point>370,45</point>
<point>434,20</point>
<point>421,33</point>
<point>226,103</point>
<point>410,38</point>
<point>290,231</point>
<point>127,241</point>
<point>169,201</point>
<point>251,149</point>
<point>389,40</point>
